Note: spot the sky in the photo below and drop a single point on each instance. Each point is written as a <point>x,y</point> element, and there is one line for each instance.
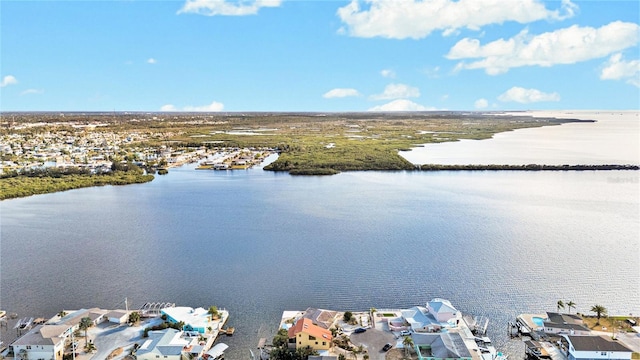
<point>319,56</point>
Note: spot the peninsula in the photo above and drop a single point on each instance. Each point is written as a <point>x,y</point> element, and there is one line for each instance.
<point>48,152</point>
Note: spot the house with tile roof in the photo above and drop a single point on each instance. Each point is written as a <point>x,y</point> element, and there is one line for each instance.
<point>594,348</point>
<point>321,317</point>
<point>306,334</point>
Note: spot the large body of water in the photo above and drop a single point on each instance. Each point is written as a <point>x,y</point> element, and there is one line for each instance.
<point>258,243</point>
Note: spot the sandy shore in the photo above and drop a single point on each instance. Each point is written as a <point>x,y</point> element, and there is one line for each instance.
<point>611,139</point>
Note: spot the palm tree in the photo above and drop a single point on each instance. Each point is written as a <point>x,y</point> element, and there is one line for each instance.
<point>600,311</point>
<point>570,305</point>
<point>560,305</point>
<point>408,344</point>
<point>85,323</point>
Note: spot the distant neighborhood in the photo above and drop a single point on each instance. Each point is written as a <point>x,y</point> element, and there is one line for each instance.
<point>96,145</point>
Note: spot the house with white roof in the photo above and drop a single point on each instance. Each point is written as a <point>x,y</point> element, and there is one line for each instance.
<point>163,344</point>
<point>441,346</point>
<point>73,318</point>
<point>42,342</point>
<point>197,319</point>
<point>438,314</point>
<point>442,310</point>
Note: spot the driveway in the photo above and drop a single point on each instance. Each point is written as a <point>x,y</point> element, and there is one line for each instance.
<point>373,340</point>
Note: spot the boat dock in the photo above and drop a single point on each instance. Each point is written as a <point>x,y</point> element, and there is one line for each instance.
<point>152,309</point>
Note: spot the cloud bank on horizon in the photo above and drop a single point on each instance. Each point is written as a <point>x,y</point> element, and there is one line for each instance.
<point>274,55</point>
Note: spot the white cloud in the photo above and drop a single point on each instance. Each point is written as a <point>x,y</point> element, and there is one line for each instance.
<point>340,93</point>
<point>481,104</point>
<point>8,80</point>
<point>151,61</point>
<point>563,46</point>
<point>213,107</point>
<point>525,96</point>
<point>400,105</point>
<point>616,68</point>
<point>32,92</point>
<point>388,73</point>
<point>168,107</point>
<point>397,91</point>
<point>223,7</point>
<point>418,18</point>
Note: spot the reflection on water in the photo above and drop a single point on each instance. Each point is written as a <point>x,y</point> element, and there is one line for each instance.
<point>613,139</point>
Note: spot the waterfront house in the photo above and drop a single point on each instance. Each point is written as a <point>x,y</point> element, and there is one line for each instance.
<point>419,320</point>
<point>118,316</point>
<point>165,344</point>
<point>594,348</point>
<point>73,318</point>
<point>442,310</point>
<point>441,346</point>
<point>438,314</point>
<point>197,319</point>
<point>557,323</point>
<point>306,334</point>
<point>42,342</point>
<point>323,318</point>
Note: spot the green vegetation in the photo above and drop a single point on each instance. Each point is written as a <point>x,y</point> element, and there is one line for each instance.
<point>347,316</point>
<point>85,324</point>
<point>213,311</point>
<point>600,311</point>
<point>52,180</point>
<point>165,325</point>
<point>134,318</point>
<point>280,350</point>
<point>307,143</point>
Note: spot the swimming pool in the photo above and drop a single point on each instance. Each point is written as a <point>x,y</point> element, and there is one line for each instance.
<point>538,321</point>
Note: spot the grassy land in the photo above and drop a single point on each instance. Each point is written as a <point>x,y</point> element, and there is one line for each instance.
<point>344,142</point>
<point>308,144</point>
<point>22,186</point>
<point>610,323</point>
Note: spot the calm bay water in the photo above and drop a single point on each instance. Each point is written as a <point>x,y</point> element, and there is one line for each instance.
<point>258,243</point>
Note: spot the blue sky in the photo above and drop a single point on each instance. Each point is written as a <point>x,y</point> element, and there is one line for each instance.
<point>272,55</point>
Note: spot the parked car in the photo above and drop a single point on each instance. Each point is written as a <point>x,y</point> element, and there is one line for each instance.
<point>386,347</point>
<point>405,333</point>
<point>359,330</point>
